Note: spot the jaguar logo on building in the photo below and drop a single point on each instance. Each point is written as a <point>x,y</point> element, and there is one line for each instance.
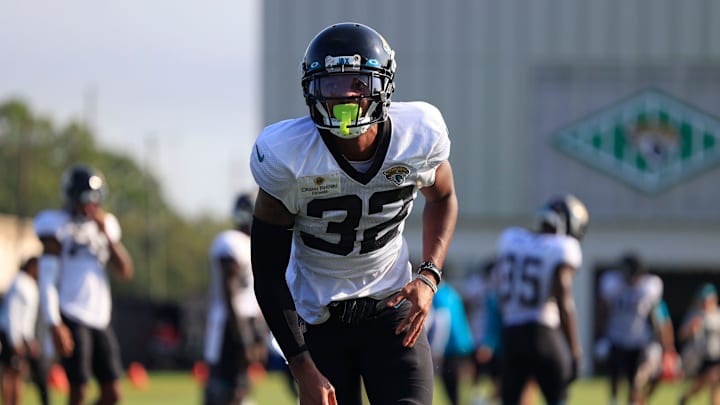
<point>650,141</point>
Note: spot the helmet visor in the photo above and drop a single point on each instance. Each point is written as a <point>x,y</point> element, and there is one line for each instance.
<point>346,86</point>
<point>90,197</point>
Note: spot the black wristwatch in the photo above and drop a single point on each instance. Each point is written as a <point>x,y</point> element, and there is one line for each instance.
<point>432,268</point>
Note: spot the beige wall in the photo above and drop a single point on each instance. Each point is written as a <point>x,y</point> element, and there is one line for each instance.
<point>477,61</point>
<point>17,243</point>
<point>507,74</point>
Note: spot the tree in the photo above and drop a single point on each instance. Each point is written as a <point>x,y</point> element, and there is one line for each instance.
<point>170,252</point>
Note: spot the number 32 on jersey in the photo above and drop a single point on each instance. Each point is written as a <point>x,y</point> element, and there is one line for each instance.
<point>352,225</point>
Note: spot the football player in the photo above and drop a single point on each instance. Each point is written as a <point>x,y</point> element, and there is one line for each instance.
<point>79,241</point>
<point>477,292</point>
<point>451,339</point>
<point>535,269</point>
<point>18,344</point>
<point>631,295</point>
<point>336,187</point>
<point>235,335</point>
<point>664,361</point>
<point>700,334</point>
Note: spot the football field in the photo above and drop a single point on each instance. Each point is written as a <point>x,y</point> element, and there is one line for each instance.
<point>179,388</point>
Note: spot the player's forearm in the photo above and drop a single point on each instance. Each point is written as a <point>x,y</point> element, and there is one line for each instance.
<point>270,245</point>
<point>562,291</point>
<point>48,273</point>
<point>121,260</point>
<point>439,215</point>
<point>568,321</point>
<point>687,330</point>
<point>246,330</point>
<point>439,219</point>
<point>667,334</point>
<point>231,286</point>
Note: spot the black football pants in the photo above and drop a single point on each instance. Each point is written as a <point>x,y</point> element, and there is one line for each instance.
<point>391,373</point>
<point>533,351</point>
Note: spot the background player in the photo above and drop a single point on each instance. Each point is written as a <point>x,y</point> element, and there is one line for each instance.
<point>700,331</point>
<point>78,242</point>
<point>18,344</point>
<point>481,303</point>
<point>535,271</point>
<point>631,295</point>
<point>236,335</point>
<point>451,339</point>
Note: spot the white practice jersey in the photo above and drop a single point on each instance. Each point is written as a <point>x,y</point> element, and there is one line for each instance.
<point>526,267</point>
<point>347,238</point>
<point>19,309</point>
<point>236,245</point>
<point>710,335</point>
<point>630,307</point>
<point>83,288</point>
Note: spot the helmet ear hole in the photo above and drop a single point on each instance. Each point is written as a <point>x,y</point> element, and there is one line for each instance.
<point>551,221</point>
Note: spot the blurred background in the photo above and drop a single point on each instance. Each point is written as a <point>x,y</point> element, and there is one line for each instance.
<point>614,101</point>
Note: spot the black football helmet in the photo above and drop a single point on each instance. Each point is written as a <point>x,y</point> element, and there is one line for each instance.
<point>243,211</point>
<point>82,184</point>
<point>347,78</point>
<point>632,264</point>
<point>564,215</point>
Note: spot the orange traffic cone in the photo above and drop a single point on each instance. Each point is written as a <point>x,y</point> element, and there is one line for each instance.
<point>200,372</point>
<point>256,372</point>
<point>137,375</point>
<point>57,379</point>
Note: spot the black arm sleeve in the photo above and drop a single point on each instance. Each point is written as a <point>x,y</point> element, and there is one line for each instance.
<point>270,255</point>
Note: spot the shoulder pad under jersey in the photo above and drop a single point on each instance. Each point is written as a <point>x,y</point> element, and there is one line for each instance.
<point>112,228</point>
<point>48,223</point>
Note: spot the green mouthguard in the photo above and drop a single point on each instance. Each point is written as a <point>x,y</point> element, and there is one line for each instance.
<point>346,114</point>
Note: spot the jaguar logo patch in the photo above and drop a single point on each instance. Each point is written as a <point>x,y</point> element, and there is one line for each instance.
<point>396,174</point>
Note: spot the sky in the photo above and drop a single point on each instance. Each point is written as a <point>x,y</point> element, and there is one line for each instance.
<point>170,82</point>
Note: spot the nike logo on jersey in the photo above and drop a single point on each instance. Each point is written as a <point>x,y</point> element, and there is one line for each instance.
<point>260,156</point>
<point>396,174</point>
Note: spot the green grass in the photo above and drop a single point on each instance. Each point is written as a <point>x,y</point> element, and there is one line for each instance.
<point>178,388</point>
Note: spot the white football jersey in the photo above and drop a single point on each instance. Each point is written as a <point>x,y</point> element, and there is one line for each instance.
<point>347,237</point>
<point>704,344</point>
<point>525,269</point>
<point>19,309</point>
<point>83,288</point>
<point>710,335</point>
<point>234,244</point>
<point>630,307</point>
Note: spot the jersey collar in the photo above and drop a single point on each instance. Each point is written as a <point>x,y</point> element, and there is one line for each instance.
<point>384,132</point>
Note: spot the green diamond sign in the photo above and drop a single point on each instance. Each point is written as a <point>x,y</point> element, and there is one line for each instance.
<point>650,141</point>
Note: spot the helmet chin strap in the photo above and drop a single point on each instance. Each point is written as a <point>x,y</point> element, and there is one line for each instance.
<point>353,132</point>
